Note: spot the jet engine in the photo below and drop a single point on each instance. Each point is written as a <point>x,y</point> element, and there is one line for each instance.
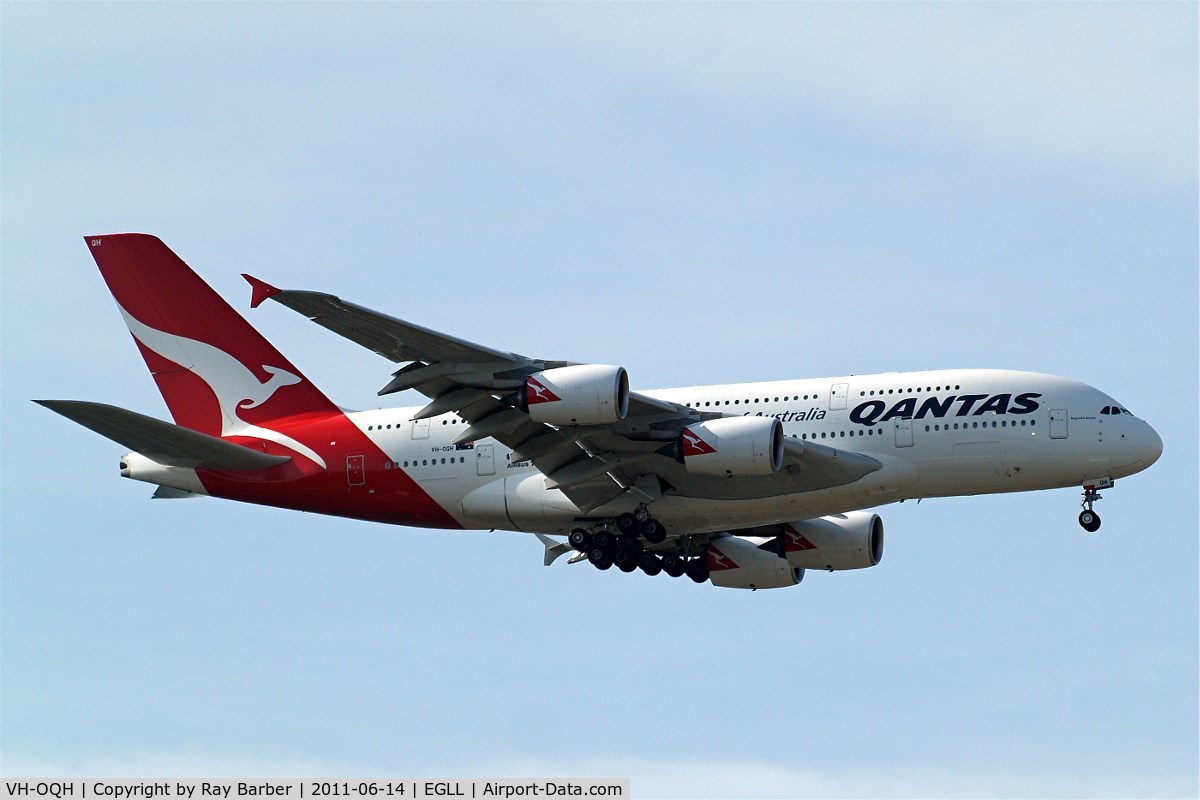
<point>842,541</point>
<point>737,563</point>
<point>584,394</point>
<point>742,446</point>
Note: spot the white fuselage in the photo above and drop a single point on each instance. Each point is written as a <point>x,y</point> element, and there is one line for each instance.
<point>937,434</point>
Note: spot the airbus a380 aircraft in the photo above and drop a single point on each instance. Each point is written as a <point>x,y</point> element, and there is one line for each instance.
<point>744,485</point>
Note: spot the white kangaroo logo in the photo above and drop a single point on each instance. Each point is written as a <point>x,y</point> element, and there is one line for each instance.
<point>541,391</point>
<point>696,443</point>
<point>234,385</point>
<point>797,538</point>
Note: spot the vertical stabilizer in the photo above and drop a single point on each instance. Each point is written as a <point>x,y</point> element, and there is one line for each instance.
<point>217,374</point>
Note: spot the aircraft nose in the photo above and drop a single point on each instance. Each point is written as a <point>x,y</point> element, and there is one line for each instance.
<point>1151,444</point>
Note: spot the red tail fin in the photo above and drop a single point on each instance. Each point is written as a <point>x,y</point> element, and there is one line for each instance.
<point>216,372</point>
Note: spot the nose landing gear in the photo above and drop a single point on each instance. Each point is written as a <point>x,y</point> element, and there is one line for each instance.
<point>1089,520</point>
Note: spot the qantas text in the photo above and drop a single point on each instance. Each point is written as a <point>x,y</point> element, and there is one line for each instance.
<point>872,411</point>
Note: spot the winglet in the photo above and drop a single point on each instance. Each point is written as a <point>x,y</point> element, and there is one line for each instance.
<point>261,290</point>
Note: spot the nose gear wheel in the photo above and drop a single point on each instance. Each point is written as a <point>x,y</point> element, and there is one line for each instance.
<point>1089,520</point>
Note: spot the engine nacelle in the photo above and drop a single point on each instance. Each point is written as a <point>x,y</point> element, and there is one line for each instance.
<point>739,564</point>
<point>732,446</point>
<point>585,394</point>
<point>843,541</point>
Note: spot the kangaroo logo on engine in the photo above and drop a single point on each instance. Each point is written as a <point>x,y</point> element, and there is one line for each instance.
<point>873,411</point>
<point>538,393</point>
<point>693,445</point>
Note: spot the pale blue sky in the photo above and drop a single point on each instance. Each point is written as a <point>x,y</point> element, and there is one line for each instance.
<point>702,193</point>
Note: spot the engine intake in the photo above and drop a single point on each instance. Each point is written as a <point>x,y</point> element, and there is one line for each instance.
<point>584,394</point>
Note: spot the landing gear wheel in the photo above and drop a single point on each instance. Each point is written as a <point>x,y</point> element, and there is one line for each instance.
<point>603,539</point>
<point>627,524</point>
<point>654,531</point>
<point>673,566</point>
<point>631,544</point>
<point>697,569</point>
<point>626,556</point>
<point>599,558</point>
<point>650,563</point>
<point>580,539</point>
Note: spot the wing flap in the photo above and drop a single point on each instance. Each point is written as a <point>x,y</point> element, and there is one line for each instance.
<point>163,442</point>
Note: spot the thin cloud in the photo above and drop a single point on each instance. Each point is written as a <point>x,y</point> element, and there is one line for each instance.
<point>1109,85</point>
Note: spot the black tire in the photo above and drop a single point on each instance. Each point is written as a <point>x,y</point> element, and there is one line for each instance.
<point>630,544</point>
<point>629,565</point>
<point>580,539</point>
<point>1089,521</point>
<point>650,563</point>
<point>627,523</point>
<point>603,539</point>
<point>654,531</point>
<point>597,555</point>
<point>673,566</point>
<point>697,569</point>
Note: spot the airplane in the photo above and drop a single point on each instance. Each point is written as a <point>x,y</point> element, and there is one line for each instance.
<point>739,485</point>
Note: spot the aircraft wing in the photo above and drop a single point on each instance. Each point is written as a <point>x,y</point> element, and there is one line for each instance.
<point>591,464</point>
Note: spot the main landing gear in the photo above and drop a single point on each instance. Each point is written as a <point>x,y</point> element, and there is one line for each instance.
<point>1089,520</point>
<point>619,543</point>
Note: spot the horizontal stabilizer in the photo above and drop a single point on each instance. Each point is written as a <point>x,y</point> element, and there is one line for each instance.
<point>171,493</point>
<point>167,444</point>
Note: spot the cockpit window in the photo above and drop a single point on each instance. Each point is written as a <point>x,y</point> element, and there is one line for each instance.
<point>1115,410</point>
